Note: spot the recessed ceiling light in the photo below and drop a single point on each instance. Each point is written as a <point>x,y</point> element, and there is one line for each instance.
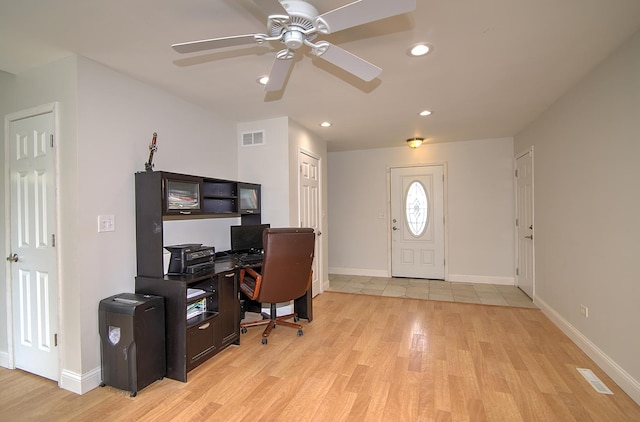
<point>262,80</point>
<point>425,113</point>
<point>325,124</point>
<point>420,49</point>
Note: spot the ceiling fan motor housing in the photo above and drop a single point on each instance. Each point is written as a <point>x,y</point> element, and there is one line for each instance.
<point>302,16</point>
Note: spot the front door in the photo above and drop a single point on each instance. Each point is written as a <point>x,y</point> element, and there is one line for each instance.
<point>417,222</point>
<point>32,256</point>
<point>524,224</point>
<point>309,197</point>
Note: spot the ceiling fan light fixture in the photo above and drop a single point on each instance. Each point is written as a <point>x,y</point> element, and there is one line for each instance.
<point>415,142</point>
<point>420,49</point>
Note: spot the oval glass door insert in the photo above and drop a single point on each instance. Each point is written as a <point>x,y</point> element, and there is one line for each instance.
<point>416,208</point>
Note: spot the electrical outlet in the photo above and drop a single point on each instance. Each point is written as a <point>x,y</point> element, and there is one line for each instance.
<point>584,311</point>
<point>106,223</point>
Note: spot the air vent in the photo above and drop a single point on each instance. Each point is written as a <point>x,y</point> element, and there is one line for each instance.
<point>252,138</point>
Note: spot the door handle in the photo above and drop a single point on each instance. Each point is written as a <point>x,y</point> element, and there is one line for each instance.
<point>529,237</point>
<point>13,258</point>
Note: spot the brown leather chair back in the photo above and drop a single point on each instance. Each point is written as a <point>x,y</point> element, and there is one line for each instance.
<point>286,265</point>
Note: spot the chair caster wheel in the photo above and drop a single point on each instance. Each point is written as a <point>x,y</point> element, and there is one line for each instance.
<point>244,330</point>
<point>300,333</point>
<point>264,341</point>
<point>133,394</point>
<point>296,319</point>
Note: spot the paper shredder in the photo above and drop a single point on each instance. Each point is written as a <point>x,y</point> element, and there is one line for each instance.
<point>132,335</point>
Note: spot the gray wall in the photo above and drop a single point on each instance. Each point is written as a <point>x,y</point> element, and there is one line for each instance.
<point>107,120</point>
<point>479,208</point>
<point>587,213</point>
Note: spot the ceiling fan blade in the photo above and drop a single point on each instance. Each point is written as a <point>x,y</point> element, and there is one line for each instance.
<point>347,61</point>
<point>271,7</point>
<point>194,46</point>
<point>361,12</point>
<point>279,71</point>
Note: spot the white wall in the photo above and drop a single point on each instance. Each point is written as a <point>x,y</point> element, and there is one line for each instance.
<point>268,165</point>
<point>275,166</point>
<point>99,154</point>
<point>479,209</point>
<point>587,209</point>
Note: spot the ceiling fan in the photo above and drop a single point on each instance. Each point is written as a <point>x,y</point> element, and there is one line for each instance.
<point>295,23</point>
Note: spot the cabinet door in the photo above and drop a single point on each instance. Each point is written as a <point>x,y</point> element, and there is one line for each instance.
<point>182,194</point>
<point>229,308</point>
<point>201,342</point>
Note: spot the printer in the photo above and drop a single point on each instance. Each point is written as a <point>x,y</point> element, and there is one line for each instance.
<point>190,258</point>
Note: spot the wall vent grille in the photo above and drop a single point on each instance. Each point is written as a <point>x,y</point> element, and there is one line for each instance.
<point>252,138</point>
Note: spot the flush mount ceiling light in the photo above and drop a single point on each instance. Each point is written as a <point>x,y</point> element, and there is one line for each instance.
<point>420,49</point>
<point>325,124</point>
<point>262,80</point>
<point>415,142</point>
<point>425,113</point>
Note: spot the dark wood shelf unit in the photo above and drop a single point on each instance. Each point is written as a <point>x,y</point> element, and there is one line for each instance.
<point>188,342</point>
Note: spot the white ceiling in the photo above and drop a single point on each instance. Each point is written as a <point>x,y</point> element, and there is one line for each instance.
<point>496,64</point>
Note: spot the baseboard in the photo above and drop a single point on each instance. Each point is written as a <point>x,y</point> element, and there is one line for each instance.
<point>359,271</point>
<point>621,377</point>
<point>281,309</point>
<point>4,360</point>
<point>481,279</point>
<point>80,384</point>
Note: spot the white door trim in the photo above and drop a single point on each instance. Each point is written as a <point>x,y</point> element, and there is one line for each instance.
<point>445,199</point>
<point>8,119</point>
<point>319,255</point>
<point>530,152</point>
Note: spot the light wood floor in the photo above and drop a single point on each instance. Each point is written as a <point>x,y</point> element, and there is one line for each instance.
<point>362,358</point>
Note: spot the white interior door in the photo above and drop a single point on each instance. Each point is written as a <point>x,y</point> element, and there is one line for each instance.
<point>32,258</point>
<point>524,224</point>
<point>310,210</point>
<point>417,222</point>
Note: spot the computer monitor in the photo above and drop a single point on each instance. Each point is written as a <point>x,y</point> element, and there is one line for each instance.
<point>247,238</point>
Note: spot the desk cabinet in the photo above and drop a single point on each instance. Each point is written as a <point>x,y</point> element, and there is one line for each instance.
<point>192,341</point>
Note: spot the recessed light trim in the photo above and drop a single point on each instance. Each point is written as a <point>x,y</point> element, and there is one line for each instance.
<point>263,80</point>
<point>420,49</point>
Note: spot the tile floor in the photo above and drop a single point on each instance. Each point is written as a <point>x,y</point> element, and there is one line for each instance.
<point>487,294</point>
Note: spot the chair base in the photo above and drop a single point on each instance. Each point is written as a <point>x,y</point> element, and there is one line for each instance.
<point>271,323</point>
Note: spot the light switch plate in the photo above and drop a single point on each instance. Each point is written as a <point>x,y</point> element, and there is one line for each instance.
<point>106,223</point>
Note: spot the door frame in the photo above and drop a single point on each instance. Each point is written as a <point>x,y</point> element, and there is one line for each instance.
<point>445,200</point>
<point>529,152</point>
<point>8,119</point>
<point>318,254</point>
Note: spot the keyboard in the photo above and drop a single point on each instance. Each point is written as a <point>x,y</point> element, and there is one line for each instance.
<point>251,258</point>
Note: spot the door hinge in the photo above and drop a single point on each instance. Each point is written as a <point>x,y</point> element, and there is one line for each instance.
<point>517,222</point>
<point>516,172</point>
<point>55,340</point>
<point>51,138</point>
<point>517,271</point>
<point>53,240</point>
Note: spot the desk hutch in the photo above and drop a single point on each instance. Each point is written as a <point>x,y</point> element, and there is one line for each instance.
<point>162,196</point>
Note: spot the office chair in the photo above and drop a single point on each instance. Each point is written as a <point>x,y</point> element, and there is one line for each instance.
<point>285,275</point>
